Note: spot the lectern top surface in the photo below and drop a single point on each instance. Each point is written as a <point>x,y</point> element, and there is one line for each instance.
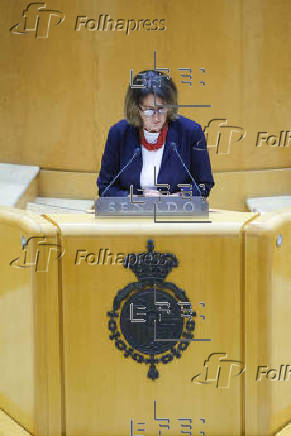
<point>221,221</point>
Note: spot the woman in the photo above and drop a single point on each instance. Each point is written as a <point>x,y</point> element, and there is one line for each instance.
<point>154,135</point>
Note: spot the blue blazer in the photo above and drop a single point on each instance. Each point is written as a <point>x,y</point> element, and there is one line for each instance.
<point>122,143</point>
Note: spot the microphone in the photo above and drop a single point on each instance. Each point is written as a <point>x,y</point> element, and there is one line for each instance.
<point>137,151</point>
<point>174,147</point>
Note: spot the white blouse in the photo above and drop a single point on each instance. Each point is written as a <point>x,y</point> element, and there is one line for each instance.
<point>150,160</point>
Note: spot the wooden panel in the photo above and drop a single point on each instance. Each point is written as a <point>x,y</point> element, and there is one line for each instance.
<point>17,333</point>
<point>233,188</point>
<point>286,431</point>
<point>29,323</point>
<point>68,184</point>
<point>267,325</point>
<point>61,94</point>
<point>103,389</point>
<point>8,427</point>
<point>230,192</point>
<point>30,193</point>
<point>60,373</point>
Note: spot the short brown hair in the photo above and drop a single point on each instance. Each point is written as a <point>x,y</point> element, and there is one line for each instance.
<point>156,83</point>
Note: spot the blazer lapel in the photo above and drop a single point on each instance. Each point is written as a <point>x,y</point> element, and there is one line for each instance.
<point>136,165</point>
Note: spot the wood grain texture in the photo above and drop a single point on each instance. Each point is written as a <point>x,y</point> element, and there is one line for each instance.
<point>29,323</point>
<point>231,190</point>
<point>60,95</point>
<point>267,322</point>
<point>103,389</point>
<point>60,373</point>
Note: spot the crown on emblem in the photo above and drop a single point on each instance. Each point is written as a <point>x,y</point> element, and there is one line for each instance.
<point>151,265</point>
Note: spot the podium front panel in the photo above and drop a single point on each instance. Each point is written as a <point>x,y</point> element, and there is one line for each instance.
<point>107,393</point>
<point>79,301</point>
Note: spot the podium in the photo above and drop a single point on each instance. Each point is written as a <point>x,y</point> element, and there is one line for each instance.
<point>119,326</point>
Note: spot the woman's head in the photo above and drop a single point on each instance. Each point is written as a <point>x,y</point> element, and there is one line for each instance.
<point>153,103</point>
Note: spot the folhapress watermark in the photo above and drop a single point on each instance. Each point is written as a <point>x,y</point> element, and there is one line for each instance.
<point>281,374</point>
<point>37,18</point>
<point>37,253</point>
<point>221,136</point>
<point>283,139</point>
<point>104,256</point>
<point>106,23</point>
<point>220,371</point>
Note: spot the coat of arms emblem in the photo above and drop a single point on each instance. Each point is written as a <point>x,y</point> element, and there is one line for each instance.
<point>151,319</point>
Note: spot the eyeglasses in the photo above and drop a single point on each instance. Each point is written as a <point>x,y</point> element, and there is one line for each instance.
<point>151,112</point>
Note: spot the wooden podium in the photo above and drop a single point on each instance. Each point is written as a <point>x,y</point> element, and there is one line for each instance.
<point>75,357</point>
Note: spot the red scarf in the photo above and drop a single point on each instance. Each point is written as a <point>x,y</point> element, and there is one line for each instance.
<point>161,139</point>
